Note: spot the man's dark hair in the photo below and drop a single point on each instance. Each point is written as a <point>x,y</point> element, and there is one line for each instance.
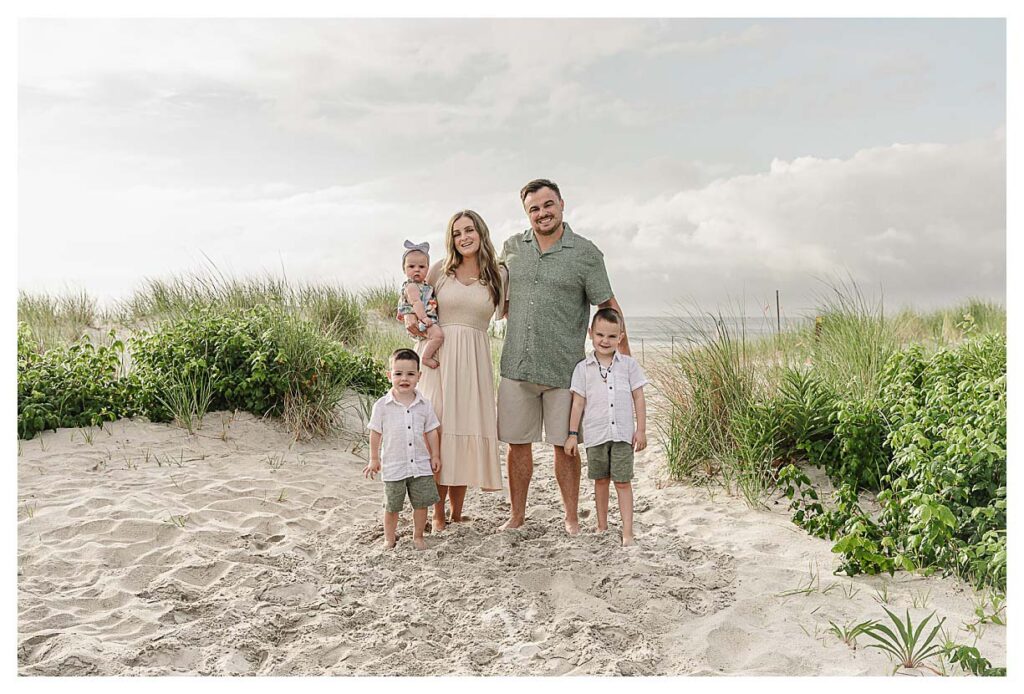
<point>405,354</point>
<point>535,185</point>
<point>607,314</point>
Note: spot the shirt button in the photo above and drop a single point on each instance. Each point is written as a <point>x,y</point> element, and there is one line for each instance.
<point>410,427</point>
<point>410,444</point>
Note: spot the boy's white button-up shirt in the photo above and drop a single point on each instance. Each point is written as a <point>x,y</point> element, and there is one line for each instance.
<point>608,414</point>
<point>403,450</point>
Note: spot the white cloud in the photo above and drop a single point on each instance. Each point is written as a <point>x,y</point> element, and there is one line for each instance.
<point>924,221</point>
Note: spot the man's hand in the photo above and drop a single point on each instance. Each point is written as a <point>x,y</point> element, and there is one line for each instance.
<point>571,444</point>
<point>435,464</point>
<point>371,469</point>
<point>639,441</point>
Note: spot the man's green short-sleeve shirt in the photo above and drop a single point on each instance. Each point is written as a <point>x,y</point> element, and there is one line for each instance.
<point>550,296</point>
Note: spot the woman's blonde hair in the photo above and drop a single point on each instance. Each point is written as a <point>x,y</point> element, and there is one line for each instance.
<point>487,258</point>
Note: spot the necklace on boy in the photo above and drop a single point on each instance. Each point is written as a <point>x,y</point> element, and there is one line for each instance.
<point>604,372</point>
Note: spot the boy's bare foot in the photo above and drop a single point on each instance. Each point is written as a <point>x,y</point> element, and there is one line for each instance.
<point>512,524</point>
<point>572,527</point>
<point>431,362</point>
<point>419,542</point>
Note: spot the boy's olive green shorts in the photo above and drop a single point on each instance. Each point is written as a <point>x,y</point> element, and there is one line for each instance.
<point>610,459</point>
<point>422,493</point>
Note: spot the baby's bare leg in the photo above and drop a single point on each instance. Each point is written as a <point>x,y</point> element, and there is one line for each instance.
<point>624,491</point>
<point>419,519</point>
<point>390,528</point>
<point>435,338</point>
<point>601,501</point>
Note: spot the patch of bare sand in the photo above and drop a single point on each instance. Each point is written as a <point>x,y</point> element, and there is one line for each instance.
<point>148,551</point>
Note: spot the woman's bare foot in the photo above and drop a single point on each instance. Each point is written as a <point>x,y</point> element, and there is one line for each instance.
<point>572,527</point>
<point>431,362</point>
<point>461,519</point>
<point>627,540</point>
<point>419,542</point>
<point>438,525</point>
<point>390,544</point>
<point>600,530</point>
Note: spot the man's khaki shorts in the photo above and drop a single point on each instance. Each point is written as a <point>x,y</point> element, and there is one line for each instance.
<point>422,492</point>
<point>525,408</point>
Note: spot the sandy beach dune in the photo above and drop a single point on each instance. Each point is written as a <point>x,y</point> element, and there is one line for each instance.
<point>236,551</point>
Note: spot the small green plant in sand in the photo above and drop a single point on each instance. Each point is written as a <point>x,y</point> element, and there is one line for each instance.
<point>881,595</point>
<point>919,599</point>
<point>275,461</point>
<point>989,608</point>
<point>903,642</point>
<point>283,496</point>
<point>30,509</point>
<point>848,632</point>
<point>178,520</point>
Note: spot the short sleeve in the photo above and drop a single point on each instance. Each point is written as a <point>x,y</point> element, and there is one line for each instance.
<point>579,379</point>
<point>434,274</point>
<point>432,421</point>
<point>598,288</point>
<point>376,418</point>
<point>637,377</point>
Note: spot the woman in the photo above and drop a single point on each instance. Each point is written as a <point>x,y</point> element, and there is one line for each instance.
<point>468,285</point>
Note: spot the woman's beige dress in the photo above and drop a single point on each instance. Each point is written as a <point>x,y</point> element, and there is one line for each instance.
<point>461,389</point>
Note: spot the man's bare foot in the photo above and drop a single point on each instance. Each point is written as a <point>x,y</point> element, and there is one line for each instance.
<point>572,527</point>
<point>438,525</point>
<point>600,530</point>
<point>512,524</point>
<point>431,362</point>
<point>391,544</point>
<point>461,519</point>
<point>419,542</point>
<point>627,540</point>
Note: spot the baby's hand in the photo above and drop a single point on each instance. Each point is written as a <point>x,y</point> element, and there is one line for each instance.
<point>435,464</point>
<point>570,446</point>
<point>371,469</point>
<point>639,441</point>
<point>427,322</point>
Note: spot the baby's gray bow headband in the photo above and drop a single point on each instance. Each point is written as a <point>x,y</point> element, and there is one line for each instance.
<point>423,248</point>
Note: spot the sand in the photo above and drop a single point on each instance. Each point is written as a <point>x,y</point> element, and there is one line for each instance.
<point>148,551</point>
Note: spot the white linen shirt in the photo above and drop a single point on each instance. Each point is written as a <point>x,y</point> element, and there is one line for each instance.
<point>608,414</point>
<point>403,450</point>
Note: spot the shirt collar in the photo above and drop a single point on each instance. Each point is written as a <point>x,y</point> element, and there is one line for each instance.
<point>568,239</point>
<point>592,357</point>
<point>390,398</point>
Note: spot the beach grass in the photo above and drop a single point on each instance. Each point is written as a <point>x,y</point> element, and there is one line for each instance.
<point>57,319</point>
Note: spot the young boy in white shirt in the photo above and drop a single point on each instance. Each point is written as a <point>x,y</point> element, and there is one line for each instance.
<point>607,387</point>
<point>403,423</point>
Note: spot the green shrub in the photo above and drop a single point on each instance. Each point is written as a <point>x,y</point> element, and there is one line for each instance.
<point>70,385</point>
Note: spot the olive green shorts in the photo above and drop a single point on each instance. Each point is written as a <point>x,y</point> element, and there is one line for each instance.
<point>422,493</point>
<point>610,459</point>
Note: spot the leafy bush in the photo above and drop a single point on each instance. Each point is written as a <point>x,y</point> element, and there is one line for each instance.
<point>261,360</point>
<point>70,385</point>
<point>943,492</point>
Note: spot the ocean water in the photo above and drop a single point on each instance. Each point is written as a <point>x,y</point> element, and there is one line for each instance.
<point>660,332</point>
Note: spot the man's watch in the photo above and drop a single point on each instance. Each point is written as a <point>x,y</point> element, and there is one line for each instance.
<point>574,433</point>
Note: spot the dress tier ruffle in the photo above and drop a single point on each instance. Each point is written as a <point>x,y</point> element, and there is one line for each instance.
<point>461,389</point>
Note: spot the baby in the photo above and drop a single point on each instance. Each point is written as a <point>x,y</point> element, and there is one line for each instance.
<point>416,304</point>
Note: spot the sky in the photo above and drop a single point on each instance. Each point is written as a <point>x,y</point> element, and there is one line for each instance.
<point>712,161</point>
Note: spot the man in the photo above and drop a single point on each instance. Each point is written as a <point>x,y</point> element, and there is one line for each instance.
<point>555,276</point>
